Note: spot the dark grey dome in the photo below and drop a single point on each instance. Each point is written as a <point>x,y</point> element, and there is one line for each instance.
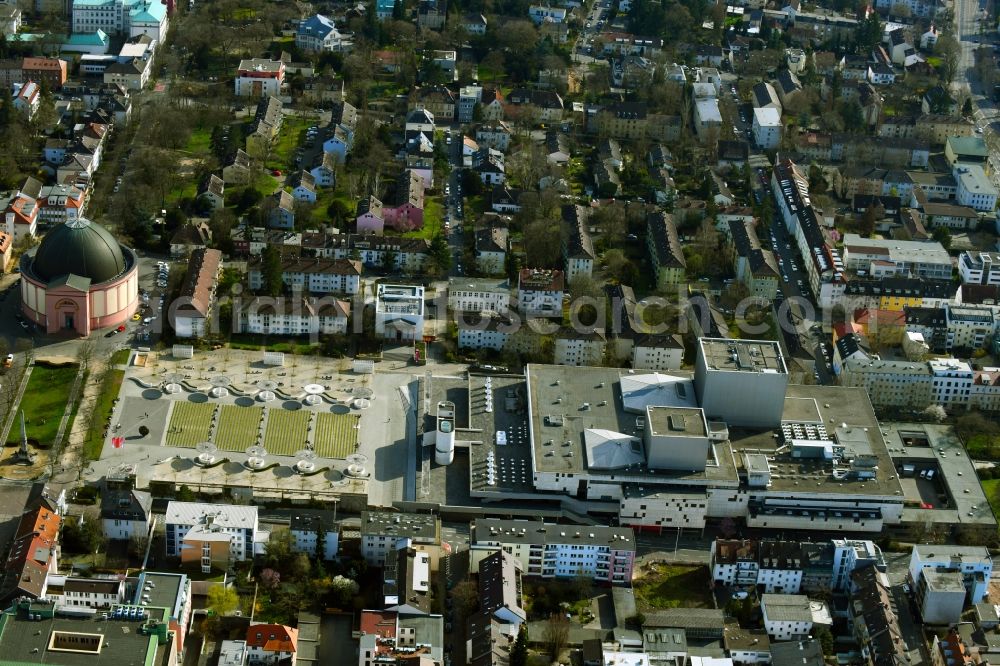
<point>79,247</point>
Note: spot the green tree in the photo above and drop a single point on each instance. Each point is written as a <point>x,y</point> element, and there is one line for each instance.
<point>185,494</point>
<point>271,270</point>
<point>967,107</point>
<point>439,253</point>
<point>519,652</point>
<point>222,600</point>
<point>279,550</point>
<point>825,638</point>
<point>85,538</point>
<point>942,235</point>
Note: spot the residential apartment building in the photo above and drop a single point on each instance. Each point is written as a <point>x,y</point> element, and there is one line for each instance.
<point>479,295</point>
<point>821,261</point>
<point>887,257</point>
<point>383,531</point>
<point>293,315</point>
<point>755,266</point>
<point>271,644</point>
<point>259,77</point>
<point>578,248</point>
<point>540,292</point>
<point>976,267</point>
<point>573,347</point>
<point>126,514</point>
<point>318,33</point>
<point>969,327</point>
<point>314,533</point>
<point>974,188</point>
<point>872,615</point>
<point>94,593</point>
<point>318,275</point>
<point>792,616</point>
<point>491,247</point>
<point>664,247</point>
<point>196,300</point>
<point>211,535</point>
<point>606,554</point>
<point>974,563</point>
<point>767,128</point>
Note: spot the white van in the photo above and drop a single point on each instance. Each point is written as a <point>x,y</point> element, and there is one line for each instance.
<point>930,474</point>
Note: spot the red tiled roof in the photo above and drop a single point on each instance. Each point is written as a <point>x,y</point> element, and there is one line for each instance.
<point>273,637</point>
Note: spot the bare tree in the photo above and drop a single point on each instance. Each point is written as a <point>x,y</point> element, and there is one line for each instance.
<point>556,635</point>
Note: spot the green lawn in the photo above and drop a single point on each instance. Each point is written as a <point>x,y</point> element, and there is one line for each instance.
<point>292,134</point>
<point>200,141</point>
<point>336,435</point>
<point>287,431</point>
<point>190,423</point>
<point>94,439</point>
<point>992,489</point>
<point>266,184</point>
<point>979,448</point>
<point>433,220</point>
<point>673,587</point>
<point>237,428</point>
<point>44,403</point>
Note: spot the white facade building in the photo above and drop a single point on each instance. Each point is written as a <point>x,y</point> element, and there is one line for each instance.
<point>791,616</point>
<point>399,312</point>
<point>196,520</point>
<point>975,189</point>
<point>381,531</point>
<point>973,562</point>
<point>767,128</point>
<point>976,267</point>
<point>314,533</point>
<point>472,295</point>
<point>561,551</point>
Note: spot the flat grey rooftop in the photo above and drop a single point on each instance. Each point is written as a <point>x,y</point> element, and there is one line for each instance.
<point>26,641</point>
<point>835,405</point>
<point>677,421</point>
<point>742,355</point>
<point>956,473</point>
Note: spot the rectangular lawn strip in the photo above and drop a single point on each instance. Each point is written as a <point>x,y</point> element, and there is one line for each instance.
<point>287,431</point>
<point>200,141</point>
<point>291,134</point>
<point>94,438</point>
<point>237,428</point>
<point>991,487</point>
<point>673,586</point>
<point>433,220</point>
<point>44,403</point>
<point>190,423</point>
<point>336,435</point>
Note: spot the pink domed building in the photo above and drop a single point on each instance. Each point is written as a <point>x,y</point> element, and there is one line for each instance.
<point>79,279</point>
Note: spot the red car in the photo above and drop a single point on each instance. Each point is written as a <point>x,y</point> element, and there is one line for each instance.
<point>121,328</point>
<point>276,172</point>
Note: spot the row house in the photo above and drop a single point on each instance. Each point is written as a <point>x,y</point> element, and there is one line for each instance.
<point>294,315</point>
<point>578,248</point>
<point>492,243</point>
<point>935,128</point>
<point>404,209</point>
<point>821,261</point>
<point>536,106</point>
<point>315,275</point>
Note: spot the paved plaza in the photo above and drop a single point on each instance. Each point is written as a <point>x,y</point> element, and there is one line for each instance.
<point>311,425</point>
